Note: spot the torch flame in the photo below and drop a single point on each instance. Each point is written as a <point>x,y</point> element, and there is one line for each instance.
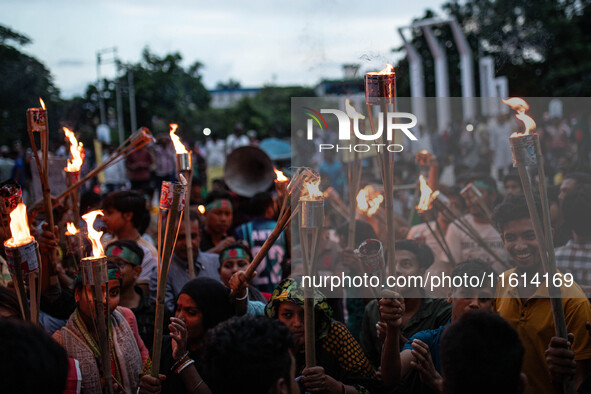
<point>425,199</point>
<point>368,200</point>
<point>19,227</point>
<point>351,111</point>
<point>389,69</point>
<point>312,191</point>
<point>519,105</point>
<point>75,162</point>
<point>71,229</point>
<point>42,103</point>
<point>201,209</point>
<point>93,235</point>
<point>178,145</point>
<point>280,176</point>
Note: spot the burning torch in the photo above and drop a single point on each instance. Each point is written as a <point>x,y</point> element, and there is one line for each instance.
<point>169,221</point>
<point>184,166</point>
<point>380,90</point>
<point>72,177</point>
<point>527,152</point>
<point>427,200</point>
<point>95,274</point>
<point>136,141</point>
<point>22,256</point>
<point>37,122</point>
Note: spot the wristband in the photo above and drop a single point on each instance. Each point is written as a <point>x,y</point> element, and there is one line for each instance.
<point>185,365</point>
<point>243,298</point>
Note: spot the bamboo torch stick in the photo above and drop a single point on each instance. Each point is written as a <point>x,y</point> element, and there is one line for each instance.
<point>354,173</point>
<point>311,224</point>
<point>37,122</point>
<point>184,166</point>
<point>380,90</point>
<point>171,205</point>
<point>526,151</point>
<point>95,274</point>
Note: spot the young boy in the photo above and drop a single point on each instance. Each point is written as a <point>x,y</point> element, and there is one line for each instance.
<point>218,219</point>
<point>421,311</point>
<point>125,213</point>
<point>422,351</point>
<point>128,256</point>
<point>527,308</point>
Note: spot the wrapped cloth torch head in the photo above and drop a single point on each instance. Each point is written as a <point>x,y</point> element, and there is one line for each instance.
<point>524,149</point>
<point>10,196</point>
<point>371,254</point>
<point>380,85</point>
<point>37,118</point>
<point>22,252</point>
<point>23,257</point>
<point>94,270</point>
<point>167,192</point>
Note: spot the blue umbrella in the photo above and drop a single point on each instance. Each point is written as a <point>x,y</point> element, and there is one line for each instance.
<point>276,149</point>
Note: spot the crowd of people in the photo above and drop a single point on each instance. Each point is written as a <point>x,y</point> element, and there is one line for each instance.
<point>227,333</point>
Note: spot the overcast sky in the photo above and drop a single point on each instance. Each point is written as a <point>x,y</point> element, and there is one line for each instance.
<point>255,42</point>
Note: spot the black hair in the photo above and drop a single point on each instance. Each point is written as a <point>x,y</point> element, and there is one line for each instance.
<point>247,355</point>
<point>553,191</point>
<point>512,176</point>
<point>421,251</point>
<point>30,360</point>
<point>217,195</point>
<point>485,178</point>
<point>130,244</point>
<point>481,350</point>
<point>576,210</point>
<point>236,245</point>
<point>363,231</point>
<point>259,203</point>
<point>89,201</point>
<point>474,268</point>
<point>129,201</point>
<point>511,209</point>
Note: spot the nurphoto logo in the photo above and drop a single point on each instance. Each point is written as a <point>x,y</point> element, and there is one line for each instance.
<point>345,123</point>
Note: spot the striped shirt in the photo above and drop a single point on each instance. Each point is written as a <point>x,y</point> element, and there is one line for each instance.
<point>575,258</point>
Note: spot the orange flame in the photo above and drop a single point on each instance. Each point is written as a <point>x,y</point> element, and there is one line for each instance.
<point>351,111</point>
<point>369,200</point>
<point>280,176</point>
<point>19,227</point>
<point>425,199</point>
<point>42,103</point>
<point>75,162</point>
<point>93,235</point>
<point>71,229</point>
<point>312,191</point>
<point>519,105</point>
<point>178,145</point>
<point>389,69</point>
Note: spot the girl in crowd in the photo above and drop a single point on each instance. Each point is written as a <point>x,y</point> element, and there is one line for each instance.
<point>342,367</point>
<point>80,339</point>
<point>201,305</point>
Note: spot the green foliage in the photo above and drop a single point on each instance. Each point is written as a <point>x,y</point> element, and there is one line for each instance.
<point>542,46</point>
<point>24,79</point>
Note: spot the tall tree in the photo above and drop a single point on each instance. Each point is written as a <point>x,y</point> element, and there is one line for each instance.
<point>24,79</point>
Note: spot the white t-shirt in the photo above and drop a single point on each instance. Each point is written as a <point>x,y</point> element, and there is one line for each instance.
<point>462,247</point>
